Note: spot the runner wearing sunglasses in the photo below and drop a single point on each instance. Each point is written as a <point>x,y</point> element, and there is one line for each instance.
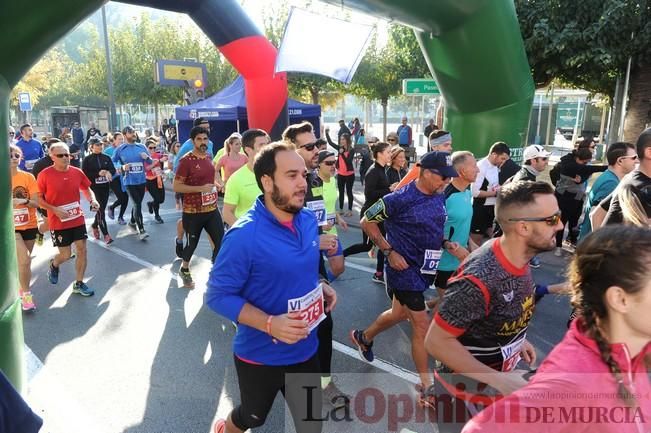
<point>59,187</point>
<point>481,324</point>
<point>154,175</point>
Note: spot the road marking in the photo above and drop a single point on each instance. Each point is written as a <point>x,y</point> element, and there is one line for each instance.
<point>360,267</point>
<point>381,364</point>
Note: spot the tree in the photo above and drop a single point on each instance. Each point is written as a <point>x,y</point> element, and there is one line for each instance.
<point>587,44</point>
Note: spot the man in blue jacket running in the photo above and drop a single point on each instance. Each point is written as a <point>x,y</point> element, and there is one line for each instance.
<point>277,313</point>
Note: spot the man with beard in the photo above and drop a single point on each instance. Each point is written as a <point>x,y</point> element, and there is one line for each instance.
<point>480,328</point>
<point>302,136</point>
<point>195,179</point>
<point>413,218</point>
<point>277,312</point>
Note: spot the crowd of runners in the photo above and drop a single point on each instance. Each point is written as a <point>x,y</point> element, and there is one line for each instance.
<point>472,228</point>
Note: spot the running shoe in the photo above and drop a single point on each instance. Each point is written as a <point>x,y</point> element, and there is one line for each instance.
<point>132,224</point>
<point>178,248</point>
<point>108,240</point>
<point>186,278</point>
<point>426,396</point>
<point>53,273</point>
<point>110,212</point>
<point>534,262</point>
<point>39,238</point>
<point>378,278</point>
<point>336,397</point>
<point>150,207</point>
<point>143,235</point>
<point>364,348</point>
<point>27,301</point>
<point>95,233</point>
<point>121,221</point>
<point>158,219</point>
<point>82,289</point>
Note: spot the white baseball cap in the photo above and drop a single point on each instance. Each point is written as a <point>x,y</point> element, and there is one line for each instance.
<point>534,151</point>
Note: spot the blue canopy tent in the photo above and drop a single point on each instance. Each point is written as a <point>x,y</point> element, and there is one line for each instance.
<point>226,112</point>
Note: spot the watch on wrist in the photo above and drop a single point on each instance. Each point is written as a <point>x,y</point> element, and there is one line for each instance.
<point>387,252</point>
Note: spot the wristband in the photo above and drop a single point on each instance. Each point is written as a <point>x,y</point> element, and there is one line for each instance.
<point>444,241</point>
<point>269,328</point>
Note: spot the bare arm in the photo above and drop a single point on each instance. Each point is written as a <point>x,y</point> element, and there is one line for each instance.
<point>597,216</point>
<point>228,213</point>
<point>372,229</point>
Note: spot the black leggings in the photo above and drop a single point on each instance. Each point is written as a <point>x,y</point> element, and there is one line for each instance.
<point>571,210</point>
<point>122,198</point>
<point>259,385</point>
<point>102,196</point>
<point>324,332</point>
<point>158,194</point>
<point>137,193</point>
<point>346,182</point>
<point>365,247</point>
<point>194,223</point>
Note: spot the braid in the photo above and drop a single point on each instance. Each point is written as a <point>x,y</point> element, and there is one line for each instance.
<point>590,319</point>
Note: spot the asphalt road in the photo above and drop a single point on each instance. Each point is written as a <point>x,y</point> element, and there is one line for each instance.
<point>145,356</point>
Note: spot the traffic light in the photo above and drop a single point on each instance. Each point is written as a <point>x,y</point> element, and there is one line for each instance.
<point>194,91</point>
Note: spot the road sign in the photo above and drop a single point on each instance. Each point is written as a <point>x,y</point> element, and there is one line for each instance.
<point>419,86</point>
<point>24,101</point>
<point>177,73</point>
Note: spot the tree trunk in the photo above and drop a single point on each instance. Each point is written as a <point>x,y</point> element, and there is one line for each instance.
<point>156,122</point>
<point>314,92</point>
<point>638,115</point>
<point>384,102</point>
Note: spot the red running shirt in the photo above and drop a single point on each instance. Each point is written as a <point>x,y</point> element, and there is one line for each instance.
<point>61,188</point>
<point>196,171</point>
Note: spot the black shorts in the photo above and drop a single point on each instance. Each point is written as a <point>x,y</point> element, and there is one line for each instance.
<point>28,234</point>
<point>415,301</point>
<point>65,238</point>
<point>482,219</point>
<point>441,280</point>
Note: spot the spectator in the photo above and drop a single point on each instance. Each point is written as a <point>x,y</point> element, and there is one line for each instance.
<point>355,130</point>
<point>343,129</point>
<point>404,133</point>
<point>345,169</point>
<point>431,126</point>
<point>397,170</point>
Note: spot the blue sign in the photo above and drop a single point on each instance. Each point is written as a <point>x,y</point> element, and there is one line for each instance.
<point>24,101</point>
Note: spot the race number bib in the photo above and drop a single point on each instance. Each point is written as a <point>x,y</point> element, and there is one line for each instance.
<point>310,307</point>
<point>136,167</point>
<point>100,180</point>
<point>431,261</point>
<point>318,207</point>
<point>209,198</point>
<point>21,216</point>
<point>73,210</point>
<point>332,219</point>
<point>29,164</point>
<point>511,354</point>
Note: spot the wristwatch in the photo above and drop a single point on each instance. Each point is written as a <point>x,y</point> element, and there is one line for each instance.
<point>387,252</point>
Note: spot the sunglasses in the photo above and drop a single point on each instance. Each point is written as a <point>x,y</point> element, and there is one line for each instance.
<point>12,134</point>
<point>391,140</point>
<point>15,155</point>
<point>62,155</point>
<point>152,148</point>
<point>309,147</point>
<point>329,163</point>
<point>633,157</point>
<point>550,220</point>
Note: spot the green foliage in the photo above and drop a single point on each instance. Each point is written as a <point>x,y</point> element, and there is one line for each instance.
<point>584,43</point>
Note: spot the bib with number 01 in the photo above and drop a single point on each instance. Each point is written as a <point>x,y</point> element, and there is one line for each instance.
<point>100,180</point>
<point>73,210</point>
<point>310,307</point>
<point>209,198</point>
<point>318,207</point>
<point>136,167</point>
<point>431,261</point>
<point>511,354</point>
<point>21,216</point>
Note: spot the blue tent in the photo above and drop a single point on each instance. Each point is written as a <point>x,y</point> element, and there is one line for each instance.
<point>226,112</point>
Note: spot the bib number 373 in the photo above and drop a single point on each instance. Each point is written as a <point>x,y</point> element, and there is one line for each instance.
<point>310,307</point>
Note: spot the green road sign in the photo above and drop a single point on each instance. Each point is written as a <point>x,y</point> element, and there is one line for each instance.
<point>419,86</point>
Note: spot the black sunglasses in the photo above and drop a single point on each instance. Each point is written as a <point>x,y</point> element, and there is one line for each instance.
<point>152,148</point>
<point>550,220</point>
<point>62,155</point>
<point>15,155</point>
<point>12,133</point>
<point>329,163</point>
<point>309,147</point>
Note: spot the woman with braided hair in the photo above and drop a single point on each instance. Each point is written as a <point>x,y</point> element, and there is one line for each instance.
<point>597,378</point>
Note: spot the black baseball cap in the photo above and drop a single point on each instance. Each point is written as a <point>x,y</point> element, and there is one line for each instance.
<point>439,161</point>
<point>325,154</point>
<point>128,129</point>
<point>199,120</point>
<point>94,141</point>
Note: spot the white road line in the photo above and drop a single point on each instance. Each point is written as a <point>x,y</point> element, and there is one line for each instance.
<point>339,347</point>
<point>360,267</point>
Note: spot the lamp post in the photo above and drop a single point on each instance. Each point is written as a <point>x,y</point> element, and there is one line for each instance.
<point>109,74</point>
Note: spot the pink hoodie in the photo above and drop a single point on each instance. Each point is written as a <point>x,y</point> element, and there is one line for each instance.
<point>574,391</point>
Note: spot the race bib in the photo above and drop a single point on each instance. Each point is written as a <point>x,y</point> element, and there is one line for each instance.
<point>30,164</point>
<point>318,207</point>
<point>73,210</point>
<point>431,261</point>
<point>136,167</point>
<point>101,179</point>
<point>511,354</point>
<point>310,307</point>
<point>332,219</point>
<point>209,198</point>
<point>21,216</point>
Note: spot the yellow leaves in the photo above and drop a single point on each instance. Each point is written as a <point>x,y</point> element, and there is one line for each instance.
<point>38,80</point>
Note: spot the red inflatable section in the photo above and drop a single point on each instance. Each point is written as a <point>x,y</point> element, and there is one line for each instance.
<point>254,57</point>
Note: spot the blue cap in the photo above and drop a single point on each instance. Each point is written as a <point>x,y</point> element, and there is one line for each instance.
<point>441,162</point>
